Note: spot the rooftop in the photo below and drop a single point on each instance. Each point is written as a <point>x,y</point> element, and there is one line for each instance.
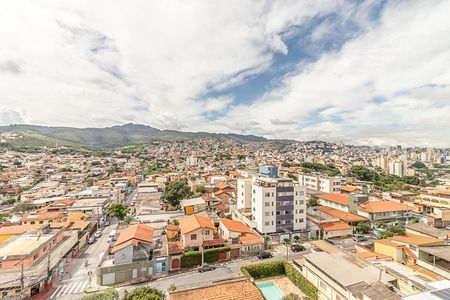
<point>428,230</point>
<point>236,290</point>
<point>336,198</point>
<point>193,222</point>
<point>25,244</point>
<point>334,226</point>
<point>235,226</point>
<point>133,235</point>
<point>342,267</point>
<point>343,216</point>
<point>438,251</point>
<point>382,206</point>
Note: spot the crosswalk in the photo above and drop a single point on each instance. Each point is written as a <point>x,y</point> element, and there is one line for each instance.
<point>73,287</point>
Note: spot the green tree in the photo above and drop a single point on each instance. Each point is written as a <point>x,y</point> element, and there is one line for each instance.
<point>362,227</point>
<point>118,210</point>
<point>3,217</point>
<point>108,294</point>
<point>176,191</point>
<point>201,189</point>
<point>363,173</point>
<point>419,165</point>
<point>144,293</point>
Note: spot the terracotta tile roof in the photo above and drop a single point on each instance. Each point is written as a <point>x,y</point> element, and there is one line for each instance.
<point>336,198</point>
<point>382,206</point>
<point>371,254</point>
<point>343,216</point>
<point>171,231</point>
<point>417,240</point>
<point>60,224</point>
<point>134,234</point>
<point>42,216</point>
<point>223,186</point>
<point>214,242</point>
<point>241,290</point>
<point>193,222</point>
<point>250,239</point>
<point>17,229</point>
<point>334,226</point>
<point>236,226</point>
<point>221,207</point>
<point>175,247</point>
<point>82,225</point>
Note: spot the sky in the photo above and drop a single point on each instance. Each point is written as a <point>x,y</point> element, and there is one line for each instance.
<point>358,72</point>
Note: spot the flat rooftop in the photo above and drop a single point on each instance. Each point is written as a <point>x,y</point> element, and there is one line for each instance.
<point>428,230</point>
<point>342,267</point>
<point>89,202</point>
<point>439,251</point>
<point>25,244</point>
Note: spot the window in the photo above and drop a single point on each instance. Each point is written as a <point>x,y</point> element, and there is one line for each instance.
<point>267,223</point>
<point>267,213</point>
<point>296,193</point>
<point>207,232</point>
<point>272,203</point>
<point>272,213</point>
<point>272,222</point>
<point>302,211</point>
<point>193,237</point>
<point>302,220</point>
<point>134,274</point>
<point>35,257</point>
<point>267,204</point>
<point>41,222</point>
<point>32,222</point>
<point>267,194</point>
<point>323,286</point>
<point>273,194</point>
<point>302,202</point>
<point>45,249</point>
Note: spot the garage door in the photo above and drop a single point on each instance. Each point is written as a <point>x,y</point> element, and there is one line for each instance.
<point>109,278</point>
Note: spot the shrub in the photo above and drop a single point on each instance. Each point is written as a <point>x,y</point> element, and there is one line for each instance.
<point>144,293</point>
<point>264,269</point>
<point>300,281</point>
<point>194,258</point>
<point>108,294</point>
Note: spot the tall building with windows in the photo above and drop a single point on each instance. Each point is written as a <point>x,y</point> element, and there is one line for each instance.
<point>278,205</point>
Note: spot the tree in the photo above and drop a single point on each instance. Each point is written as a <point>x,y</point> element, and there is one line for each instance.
<point>293,296</point>
<point>176,191</point>
<point>313,201</point>
<point>144,293</point>
<point>296,239</point>
<point>362,227</point>
<point>201,189</point>
<point>363,173</point>
<point>3,217</point>
<point>419,165</point>
<point>118,210</point>
<point>108,294</point>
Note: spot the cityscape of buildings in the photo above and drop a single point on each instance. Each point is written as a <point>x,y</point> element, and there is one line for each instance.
<point>220,206</point>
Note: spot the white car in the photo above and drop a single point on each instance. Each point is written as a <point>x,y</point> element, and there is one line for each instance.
<point>98,234</point>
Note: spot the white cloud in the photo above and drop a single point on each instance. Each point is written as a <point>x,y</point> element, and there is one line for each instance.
<point>403,62</point>
<point>99,63</point>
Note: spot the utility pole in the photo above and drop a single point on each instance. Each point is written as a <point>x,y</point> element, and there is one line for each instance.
<point>48,265</point>
<point>22,285</point>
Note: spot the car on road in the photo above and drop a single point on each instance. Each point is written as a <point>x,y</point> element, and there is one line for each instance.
<point>359,238</point>
<point>206,268</point>
<point>297,248</point>
<point>264,255</point>
<point>91,240</point>
<point>98,234</point>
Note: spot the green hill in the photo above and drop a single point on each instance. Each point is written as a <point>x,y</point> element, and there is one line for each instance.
<point>110,136</point>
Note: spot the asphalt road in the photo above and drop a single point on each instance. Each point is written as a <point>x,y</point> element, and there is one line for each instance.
<point>76,276</point>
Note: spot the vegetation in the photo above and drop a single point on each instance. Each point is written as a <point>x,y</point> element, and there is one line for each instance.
<point>23,207</point>
<point>328,169</point>
<point>362,227</point>
<point>386,182</point>
<point>277,268</point>
<point>391,230</point>
<point>194,258</point>
<point>118,210</point>
<point>176,191</point>
<point>144,293</point>
<point>3,217</point>
<point>9,201</point>
<point>156,169</point>
<point>313,201</point>
<point>108,294</point>
<point>419,165</point>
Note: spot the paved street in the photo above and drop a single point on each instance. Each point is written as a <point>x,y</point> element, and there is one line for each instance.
<point>76,279</point>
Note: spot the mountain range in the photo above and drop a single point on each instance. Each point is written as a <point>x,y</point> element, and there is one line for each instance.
<point>114,136</point>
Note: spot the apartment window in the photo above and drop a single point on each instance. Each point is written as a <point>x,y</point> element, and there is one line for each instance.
<point>207,232</point>
<point>272,222</point>
<point>272,213</point>
<point>193,237</point>
<point>41,222</point>
<point>267,204</point>
<point>253,191</point>
<point>301,211</point>
<point>302,202</point>
<point>267,213</point>
<point>267,194</point>
<point>272,203</point>
<point>296,202</point>
<point>273,194</point>
<point>296,220</point>
<point>134,273</point>
<point>32,222</point>
<point>267,223</point>
<point>302,220</point>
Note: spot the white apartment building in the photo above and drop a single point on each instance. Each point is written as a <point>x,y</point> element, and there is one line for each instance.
<point>398,167</point>
<point>277,204</point>
<point>325,184</point>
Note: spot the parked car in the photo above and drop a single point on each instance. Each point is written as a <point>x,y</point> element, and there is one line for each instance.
<point>98,234</point>
<point>107,223</point>
<point>91,240</point>
<point>297,248</point>
<point>359,238</point>
<point>206,268</point>
<point>264,255</point>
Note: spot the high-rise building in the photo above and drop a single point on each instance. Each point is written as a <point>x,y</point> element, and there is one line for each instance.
<point>278,205</point>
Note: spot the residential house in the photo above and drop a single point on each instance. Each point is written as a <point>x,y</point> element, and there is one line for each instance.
<point>426,230</point>
<point>435,259</point>
<point>199,231</point>
<point>136,256</point>
<point>41,218</point>
<point>193,205</point>
<point>383,210</point>
<point>241,237</point>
